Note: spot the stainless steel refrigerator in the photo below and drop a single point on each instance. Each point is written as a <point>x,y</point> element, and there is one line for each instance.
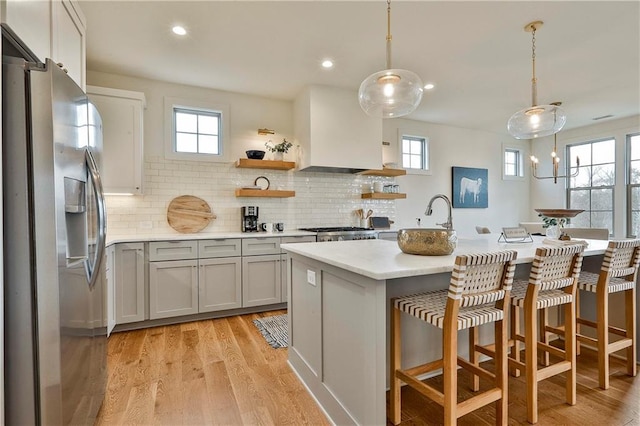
<point>53,247</point>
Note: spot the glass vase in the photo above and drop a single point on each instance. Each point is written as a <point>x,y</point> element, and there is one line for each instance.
<point>278,156</point>
<point>553,232</point>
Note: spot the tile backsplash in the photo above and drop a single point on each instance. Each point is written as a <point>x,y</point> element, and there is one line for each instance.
<point>322,199</point>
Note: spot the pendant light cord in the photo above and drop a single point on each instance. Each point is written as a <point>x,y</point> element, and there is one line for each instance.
<point>534,80</point>
<point>388,34</point>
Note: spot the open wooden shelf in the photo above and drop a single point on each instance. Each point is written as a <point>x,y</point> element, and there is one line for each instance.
<point>383,196</point>
<point>248,163</point>
<point>385,171</point>
<point>271,193</point>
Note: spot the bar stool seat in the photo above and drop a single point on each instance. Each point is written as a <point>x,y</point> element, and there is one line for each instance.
<point>589,282</point>
<point>478,294</point>
<point>545,300</point>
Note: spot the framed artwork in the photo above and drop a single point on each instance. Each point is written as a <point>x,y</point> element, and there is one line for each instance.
<point>470,188</point>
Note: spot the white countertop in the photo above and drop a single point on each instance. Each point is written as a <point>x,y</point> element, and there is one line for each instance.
<point>136,238</point>
<point>380,259</point>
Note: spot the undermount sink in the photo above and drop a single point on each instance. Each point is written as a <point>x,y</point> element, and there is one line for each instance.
<point>427,241</point>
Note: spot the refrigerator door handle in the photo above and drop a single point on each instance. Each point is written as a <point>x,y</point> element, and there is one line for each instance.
<point>92,271</point>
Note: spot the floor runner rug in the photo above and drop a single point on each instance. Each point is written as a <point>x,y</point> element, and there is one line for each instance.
<point>274,329</point>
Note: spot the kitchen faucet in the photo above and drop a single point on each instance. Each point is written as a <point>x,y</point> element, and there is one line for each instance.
<point>449,223</point>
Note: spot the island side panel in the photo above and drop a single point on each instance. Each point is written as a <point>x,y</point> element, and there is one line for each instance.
<point>349,380</point>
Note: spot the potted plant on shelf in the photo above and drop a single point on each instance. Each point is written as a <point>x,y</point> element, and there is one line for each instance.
<point>278,149</point>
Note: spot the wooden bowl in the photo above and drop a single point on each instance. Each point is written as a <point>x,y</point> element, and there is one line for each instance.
<point>559,213</point>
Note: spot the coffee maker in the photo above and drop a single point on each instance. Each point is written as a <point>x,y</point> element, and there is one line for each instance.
<point>249,218</point>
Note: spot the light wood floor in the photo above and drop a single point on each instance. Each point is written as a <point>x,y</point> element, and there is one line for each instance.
<point>223,372</point>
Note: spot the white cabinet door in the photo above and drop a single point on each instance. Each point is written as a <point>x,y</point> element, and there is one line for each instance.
<point>261,280</point>
<point>68,39</point>
<point>220,284</point>
<point>129,283</point>
<point>122,114</point>
<point>31,21</point>
<point>173,288</point>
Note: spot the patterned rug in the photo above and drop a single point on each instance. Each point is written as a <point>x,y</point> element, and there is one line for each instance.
<point>274,329</point>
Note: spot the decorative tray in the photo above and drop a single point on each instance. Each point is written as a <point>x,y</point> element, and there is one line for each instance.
<point>558,213</point>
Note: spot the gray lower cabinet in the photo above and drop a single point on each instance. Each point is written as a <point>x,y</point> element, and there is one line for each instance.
<point>173,288</point>
<point>128,276</point>
<point>220,284</point>
<point>261,280</point>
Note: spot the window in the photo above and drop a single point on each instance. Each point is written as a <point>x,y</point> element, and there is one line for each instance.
<point>196,130</point>
<point>415,153</point>
<point>633,185</point>
<point>592,189</point>
<point>512,163</point>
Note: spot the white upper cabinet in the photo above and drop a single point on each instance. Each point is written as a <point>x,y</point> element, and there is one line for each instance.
<point>122,126</point>
<point>334,132</point>
<point>51,29</point>
<point>31,21</point>
<point>68,39</point>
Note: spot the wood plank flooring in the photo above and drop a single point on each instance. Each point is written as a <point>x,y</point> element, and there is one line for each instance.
<point>222,372</point>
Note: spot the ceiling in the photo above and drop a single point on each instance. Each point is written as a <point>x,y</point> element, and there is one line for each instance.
<point>475,52</point>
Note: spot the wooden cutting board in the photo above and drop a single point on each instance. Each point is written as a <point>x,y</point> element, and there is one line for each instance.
<point>188,214</point>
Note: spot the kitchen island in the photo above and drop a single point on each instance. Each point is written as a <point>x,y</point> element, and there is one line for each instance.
<point>339,315</point>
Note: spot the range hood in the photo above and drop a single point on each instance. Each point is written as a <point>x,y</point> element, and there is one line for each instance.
<point>333,132</point>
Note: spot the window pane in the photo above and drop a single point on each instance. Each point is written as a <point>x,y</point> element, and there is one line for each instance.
<point>186,142</point>
<point>510,169</point>
<point>604,175</point>
<point>186,122</point>
<point>602,220</point>
<point>635,147</point>
<point>602,199</point>
<point>415,162</point>
<point>406,145</point>
<point>208,144</point>
<point>634,170</point>
<point>416,147</point>
<point>604,152</point>
<point>583,220</point>
<point>580,199</point>
<point>406,161</point>
<point>208,124</point>
<point>583,179</point>
<point>582,151</point>
<point>635,198</point>
<point>510,157</point>
<point>635,224</point>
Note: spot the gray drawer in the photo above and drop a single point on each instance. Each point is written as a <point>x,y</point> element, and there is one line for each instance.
<point>298,239</point>
<point>223,247</point>
<point>257,246</point>
<point>173,250</point>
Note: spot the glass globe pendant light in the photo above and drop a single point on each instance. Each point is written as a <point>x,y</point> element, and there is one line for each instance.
<point>390,93</point>
<point>538,120</point>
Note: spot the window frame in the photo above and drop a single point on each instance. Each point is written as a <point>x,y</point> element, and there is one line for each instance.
<point>519,166</point>
<point>171,104</point>
<point>628,184</point>
<point>426,153</point>
<point>591,187</point>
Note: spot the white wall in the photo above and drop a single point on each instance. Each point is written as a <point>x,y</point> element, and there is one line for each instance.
<point>546,194</point>
<point>454,146</point>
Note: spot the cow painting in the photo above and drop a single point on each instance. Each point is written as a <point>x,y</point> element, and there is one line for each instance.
<point>470,187</point>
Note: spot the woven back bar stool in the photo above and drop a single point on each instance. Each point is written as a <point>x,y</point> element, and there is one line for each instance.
<point>552,282</point>
<point>478,294</point>
<point>618,273</point>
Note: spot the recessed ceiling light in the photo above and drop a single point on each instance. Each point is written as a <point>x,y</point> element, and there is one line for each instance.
<point>429,86</point>
<point>327,63</point>
<point>179,30</point>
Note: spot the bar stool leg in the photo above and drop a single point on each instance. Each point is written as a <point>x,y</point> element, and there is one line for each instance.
<point>501,370</point>
<point>577,302</point>
<point>544,335</point>
<point>630,315</point>
<point>395,359</point>
<point>473,357</point>
<point>602,308</point>
<point>570,350</point>
<point>515,329</point>
<point>450,373</point>
<point>530,353</point>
